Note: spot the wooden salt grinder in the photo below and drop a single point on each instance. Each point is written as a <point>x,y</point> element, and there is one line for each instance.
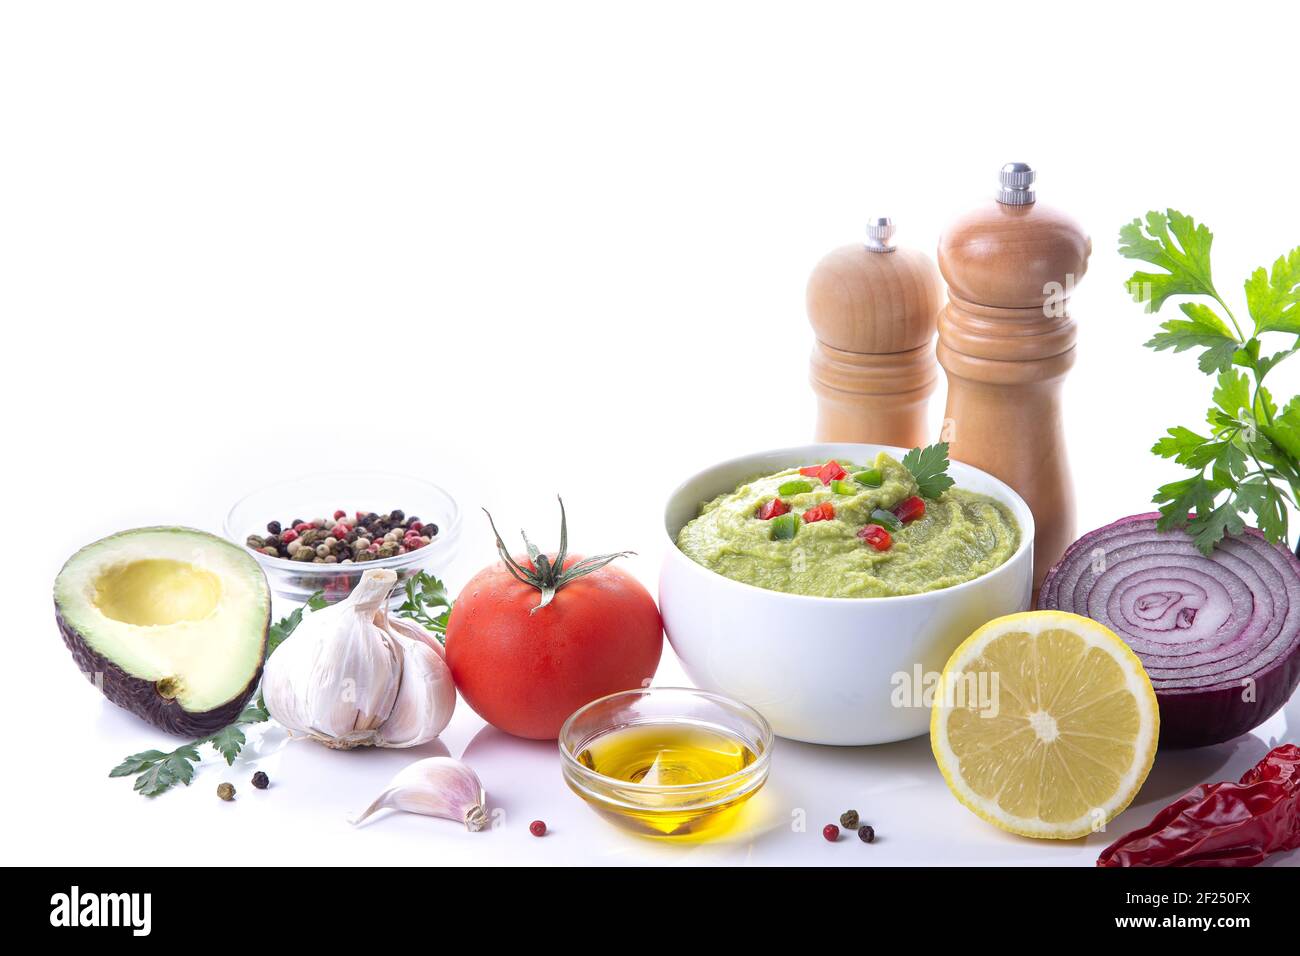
<point>873,309</point>
<point>1006,340</point>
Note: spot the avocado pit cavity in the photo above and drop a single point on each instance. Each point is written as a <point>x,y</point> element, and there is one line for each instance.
<point>157,591</point>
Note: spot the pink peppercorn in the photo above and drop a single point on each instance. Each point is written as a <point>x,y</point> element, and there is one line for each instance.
<point>290,535</point>
<point>415,525</point>
<point>339,530</point>
<point>537,828</point>
<point>339,514</point>
<point>831,832</point>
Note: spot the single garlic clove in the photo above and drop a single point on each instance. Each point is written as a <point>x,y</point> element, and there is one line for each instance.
<point>425,700</point>
<point>435,787</point>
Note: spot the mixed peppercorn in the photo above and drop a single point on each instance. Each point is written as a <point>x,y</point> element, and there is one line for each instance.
<point>344,539</point>
<point>786,523</point>
<point>849,820</point>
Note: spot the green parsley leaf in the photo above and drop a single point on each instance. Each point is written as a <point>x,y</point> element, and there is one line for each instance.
<point>1263,365</point>
<point>254,712</point>
<point>1274,300</point>
<point>277,633</point>
<point>137,762</point>
<point>1185,447</point>
<point>929,466</point>
<point>1203,328</point>
<point>228,741</point>
<point>1179,499</point>
<point>1259,496</point>
<point>176,767</point>
<point>425,594</point>
<point>1233,393</point>
<point>1185,257</point>
<point>1208,529</point>
<point>1229,463</point>
<point>1285,430</point>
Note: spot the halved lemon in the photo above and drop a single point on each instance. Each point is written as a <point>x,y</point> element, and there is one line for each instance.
<point>1045,724</point>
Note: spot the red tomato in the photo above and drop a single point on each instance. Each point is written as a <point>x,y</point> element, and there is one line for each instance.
<point>526,672</point>
<point>772,509</point>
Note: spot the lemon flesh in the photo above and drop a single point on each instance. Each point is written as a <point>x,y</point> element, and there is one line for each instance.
<point>1045,724</point>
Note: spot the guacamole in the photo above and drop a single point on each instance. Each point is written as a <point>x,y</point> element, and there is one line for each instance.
<point>960,536</point>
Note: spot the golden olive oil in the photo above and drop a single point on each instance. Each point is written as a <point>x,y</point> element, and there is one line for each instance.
<point>694,763</point>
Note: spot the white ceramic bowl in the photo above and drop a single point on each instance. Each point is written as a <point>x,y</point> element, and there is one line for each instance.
<point>827,670</point>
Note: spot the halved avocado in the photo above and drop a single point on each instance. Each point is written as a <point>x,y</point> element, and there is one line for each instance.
<point>169,623</point>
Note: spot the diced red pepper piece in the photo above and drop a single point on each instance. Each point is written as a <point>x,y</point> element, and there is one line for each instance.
<point>822,512</point>
<point>909,509</point>
<point>812,471</point>
<point>831,471</point>
<point>877,537</point>
<point>772,509</point>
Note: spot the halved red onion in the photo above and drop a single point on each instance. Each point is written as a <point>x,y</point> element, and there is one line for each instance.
<point>1219,635</point>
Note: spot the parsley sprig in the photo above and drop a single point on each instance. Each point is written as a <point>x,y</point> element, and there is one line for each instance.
<point>157,772</point>
<point>929,466</point>
<point>1249,463</point>
<point>425,594</point>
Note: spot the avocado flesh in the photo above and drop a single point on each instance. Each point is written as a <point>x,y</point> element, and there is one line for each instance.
<point>171,623</point>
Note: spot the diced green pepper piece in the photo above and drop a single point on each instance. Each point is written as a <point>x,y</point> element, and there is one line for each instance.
<point>796,487</point>
<point>886,518</point>
<point>785,527</point>
<point>842,487</point>
<point>872,478</point>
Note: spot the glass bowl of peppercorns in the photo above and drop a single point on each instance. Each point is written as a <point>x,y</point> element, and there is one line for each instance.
<point>320,533</point>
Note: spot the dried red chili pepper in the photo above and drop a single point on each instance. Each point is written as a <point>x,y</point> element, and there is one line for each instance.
<point>1222,824</point>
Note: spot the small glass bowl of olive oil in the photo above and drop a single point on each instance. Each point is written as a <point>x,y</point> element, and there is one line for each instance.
<point>666,762</point>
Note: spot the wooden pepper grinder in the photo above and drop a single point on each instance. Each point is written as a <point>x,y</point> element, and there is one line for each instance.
<point>873,309</point>
<point>1006,340</point>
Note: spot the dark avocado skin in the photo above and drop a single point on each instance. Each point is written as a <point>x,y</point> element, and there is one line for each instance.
<point>142,699</point>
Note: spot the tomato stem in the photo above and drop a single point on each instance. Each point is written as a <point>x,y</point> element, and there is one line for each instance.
<point>548,575</point>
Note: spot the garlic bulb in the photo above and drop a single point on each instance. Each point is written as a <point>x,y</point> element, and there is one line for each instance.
<point>436,787</point>
<point>350,676</point>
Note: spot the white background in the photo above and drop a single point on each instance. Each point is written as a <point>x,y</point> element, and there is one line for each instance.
<point>521,250</point>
